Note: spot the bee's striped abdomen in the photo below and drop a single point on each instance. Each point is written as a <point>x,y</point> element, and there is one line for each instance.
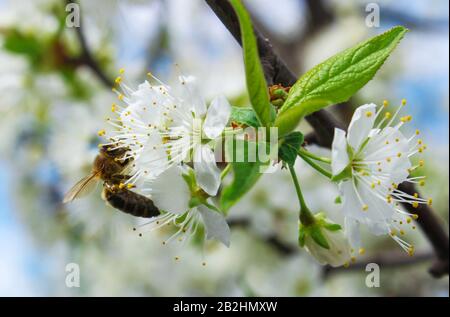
<point>131,203</point>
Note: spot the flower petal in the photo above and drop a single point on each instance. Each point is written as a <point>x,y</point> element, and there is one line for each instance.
<point>207,173</point>
<point>217,117</point>
<point>215,225</point>
<point>339,155</point>
<point>170,192</point>
<point>361,125</point>
<point>352,232</point>
<point>192,96</point>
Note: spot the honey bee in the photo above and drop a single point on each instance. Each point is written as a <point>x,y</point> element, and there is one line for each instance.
<point>112,171</point>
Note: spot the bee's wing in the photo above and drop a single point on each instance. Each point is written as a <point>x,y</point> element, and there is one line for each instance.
<point>82,188</point>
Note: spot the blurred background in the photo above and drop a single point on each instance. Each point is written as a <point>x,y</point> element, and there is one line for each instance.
<point>53,100</point>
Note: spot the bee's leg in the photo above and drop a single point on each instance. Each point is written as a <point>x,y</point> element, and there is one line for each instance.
<point>119,178</point>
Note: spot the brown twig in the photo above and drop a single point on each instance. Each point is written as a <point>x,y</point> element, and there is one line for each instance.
<point>324,123</point>
<point>86,57</point>
<point>280,246</point>
<point>391,259</point>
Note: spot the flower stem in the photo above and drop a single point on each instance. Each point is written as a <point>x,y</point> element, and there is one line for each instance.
<point>225,171</point>
<point>306,217</point>
<point>314,165</point>
<point>315,157</point>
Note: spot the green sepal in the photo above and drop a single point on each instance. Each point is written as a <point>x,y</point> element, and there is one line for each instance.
<point>318,237</point>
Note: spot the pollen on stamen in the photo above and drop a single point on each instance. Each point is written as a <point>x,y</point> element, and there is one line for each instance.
<point>430,201</point>
<point>387,115</point>
<point>415,216</point>
<point>365,207</point>
<point>403,102</point>
<point>362,251</point>
<point>422,183</point>
<point>368,114</point>
<point>121,70</point>
<point>415,204</point>
<point>101,132</point>
<point>385,103</point>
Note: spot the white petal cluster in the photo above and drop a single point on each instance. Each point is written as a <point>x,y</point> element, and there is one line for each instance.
<point>369,162</point>
<point>163,130</point>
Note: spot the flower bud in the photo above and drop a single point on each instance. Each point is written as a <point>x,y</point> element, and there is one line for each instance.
<point>325,241</point>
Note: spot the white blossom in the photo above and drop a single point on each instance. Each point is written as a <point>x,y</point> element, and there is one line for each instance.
<point>369,162</point>
<point>162,129</point>
<point>185,205</point>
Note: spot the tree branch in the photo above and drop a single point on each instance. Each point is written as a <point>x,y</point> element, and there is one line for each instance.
<point>323,123</point>
<point>86,57</point>
<point>390,259</point>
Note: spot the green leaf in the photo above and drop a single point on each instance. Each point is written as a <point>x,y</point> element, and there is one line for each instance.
<point>290,145</point>
<point>29,46</point>
<point>337,79</point>
<point>245,116</point>
<point>256,83</point>
<point>246,172</point>
<point>245,176</point>
<point>318,237</point>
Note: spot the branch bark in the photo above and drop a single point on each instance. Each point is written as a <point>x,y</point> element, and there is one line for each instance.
<point>324,123</point>
<point>86,57</point>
